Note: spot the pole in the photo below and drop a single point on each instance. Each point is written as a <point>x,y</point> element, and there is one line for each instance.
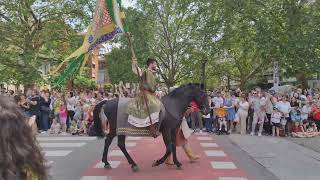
<point>140,79</point>
<point>276,78</point>
<point>204,62</point>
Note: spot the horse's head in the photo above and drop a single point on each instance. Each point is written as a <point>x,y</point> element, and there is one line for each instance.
<point>201,98</point>
<point>187,93</point>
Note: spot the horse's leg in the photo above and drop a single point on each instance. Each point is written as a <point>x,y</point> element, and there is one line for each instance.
<point>174,152</point>
<point>167,141</point>
<point>107,143</point>
<point>122,146</point>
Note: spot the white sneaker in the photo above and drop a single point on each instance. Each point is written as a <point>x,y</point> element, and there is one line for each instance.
<point>259,134</point>
<point>48,164</point>
<point>252,134</point>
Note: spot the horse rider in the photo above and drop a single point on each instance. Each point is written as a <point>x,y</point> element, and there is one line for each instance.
<point>144,109</point>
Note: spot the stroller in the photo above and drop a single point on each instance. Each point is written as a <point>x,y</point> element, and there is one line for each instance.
<point>221,114</point>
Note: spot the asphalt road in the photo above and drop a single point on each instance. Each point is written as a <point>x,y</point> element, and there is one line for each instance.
<point>76,158</point>
<point>70,155</point>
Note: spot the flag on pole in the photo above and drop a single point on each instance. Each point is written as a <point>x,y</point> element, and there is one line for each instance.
<point>108,21</point>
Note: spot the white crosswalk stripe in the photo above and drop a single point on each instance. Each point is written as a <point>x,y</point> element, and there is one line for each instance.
<point>209,145</point>
<point>60,146</point>
<point>66,138</point>
<point>232,178</point>
<point>113,164</point>
<point>56,153</point>
<point>223,165</point>
<point>96,178</point>
<point>53,145</point>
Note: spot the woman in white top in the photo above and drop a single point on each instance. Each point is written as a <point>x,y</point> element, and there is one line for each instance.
<point>306,111</point>
<point>243,107</point>
<point>284,107</point>
<point>71,104</point>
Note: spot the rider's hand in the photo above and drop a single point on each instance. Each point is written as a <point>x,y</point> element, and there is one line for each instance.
<point>134,60</point>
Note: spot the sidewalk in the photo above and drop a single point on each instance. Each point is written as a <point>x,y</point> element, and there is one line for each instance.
<point>285,159</point>
<point>310,143</point>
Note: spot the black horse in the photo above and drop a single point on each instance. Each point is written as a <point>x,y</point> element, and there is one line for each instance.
<point>175,103</point>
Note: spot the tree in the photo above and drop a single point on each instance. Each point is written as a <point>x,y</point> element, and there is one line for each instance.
<point>170,23</point>
<point>33,33</point>
<point>84,83</point>
<point>285,31</point>
<point>239,39</point>
<point>160,29</point>
<point>119,59</point>
<point>256,33</point>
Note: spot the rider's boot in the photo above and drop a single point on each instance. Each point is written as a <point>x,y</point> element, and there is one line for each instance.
<point>169,160</point>
<point>192,157</point>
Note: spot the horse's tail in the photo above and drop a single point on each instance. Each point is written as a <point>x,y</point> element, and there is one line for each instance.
<point>96,118</point>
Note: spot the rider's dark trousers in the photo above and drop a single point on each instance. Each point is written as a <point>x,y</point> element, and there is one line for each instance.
<point>196,118</point>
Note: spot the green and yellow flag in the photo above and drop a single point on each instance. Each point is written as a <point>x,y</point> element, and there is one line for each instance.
<point>108,21</point>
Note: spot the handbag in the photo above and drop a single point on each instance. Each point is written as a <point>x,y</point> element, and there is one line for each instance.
<point>236,118</point>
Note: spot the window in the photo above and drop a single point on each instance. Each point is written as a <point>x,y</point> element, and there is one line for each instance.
<point>102,66</point>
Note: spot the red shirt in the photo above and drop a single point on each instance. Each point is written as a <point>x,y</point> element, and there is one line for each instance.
<point>297,129</point>
<point>194,106</point>
<point>316,114</point>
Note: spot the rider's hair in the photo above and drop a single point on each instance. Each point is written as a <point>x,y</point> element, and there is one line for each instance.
<point>18,148</point>
<point>150,61</point>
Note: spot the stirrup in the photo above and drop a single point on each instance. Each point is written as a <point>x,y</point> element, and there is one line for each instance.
<point>154,134</point>
<point>154,131</point>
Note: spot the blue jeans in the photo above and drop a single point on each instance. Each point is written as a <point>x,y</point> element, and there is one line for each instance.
<point>45,120</point>
<point>208,122</point>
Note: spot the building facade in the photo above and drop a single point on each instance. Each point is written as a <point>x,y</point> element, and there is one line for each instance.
<point>98,63</point>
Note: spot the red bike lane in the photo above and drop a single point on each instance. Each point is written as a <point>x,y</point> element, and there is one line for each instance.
<point>214,163</point>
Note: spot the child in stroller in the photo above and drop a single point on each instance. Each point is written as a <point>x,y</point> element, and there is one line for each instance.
<point>221,114</point>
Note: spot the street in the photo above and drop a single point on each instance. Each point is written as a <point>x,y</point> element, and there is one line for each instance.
<point>231,157</point>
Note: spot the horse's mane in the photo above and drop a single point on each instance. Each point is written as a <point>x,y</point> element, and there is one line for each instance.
<point>181,89</point>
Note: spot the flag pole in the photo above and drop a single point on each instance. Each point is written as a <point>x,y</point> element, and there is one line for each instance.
<point>152,128</point>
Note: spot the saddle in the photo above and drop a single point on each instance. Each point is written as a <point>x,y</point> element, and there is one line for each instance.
<point>127,127</point>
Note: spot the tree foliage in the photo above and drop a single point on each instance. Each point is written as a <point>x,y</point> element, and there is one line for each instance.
<point>238,39</point>
<point>253,34</point>
<point>35,32</point>
<point>119,60</point>
<point>84,83</point>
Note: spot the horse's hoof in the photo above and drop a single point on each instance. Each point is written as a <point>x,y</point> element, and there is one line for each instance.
<point>155,163</point>
<point>107,166</point>
<point>135,168</point>
<point>179,166</point>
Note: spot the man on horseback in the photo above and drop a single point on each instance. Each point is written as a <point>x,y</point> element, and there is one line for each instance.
<point>144,109</point>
